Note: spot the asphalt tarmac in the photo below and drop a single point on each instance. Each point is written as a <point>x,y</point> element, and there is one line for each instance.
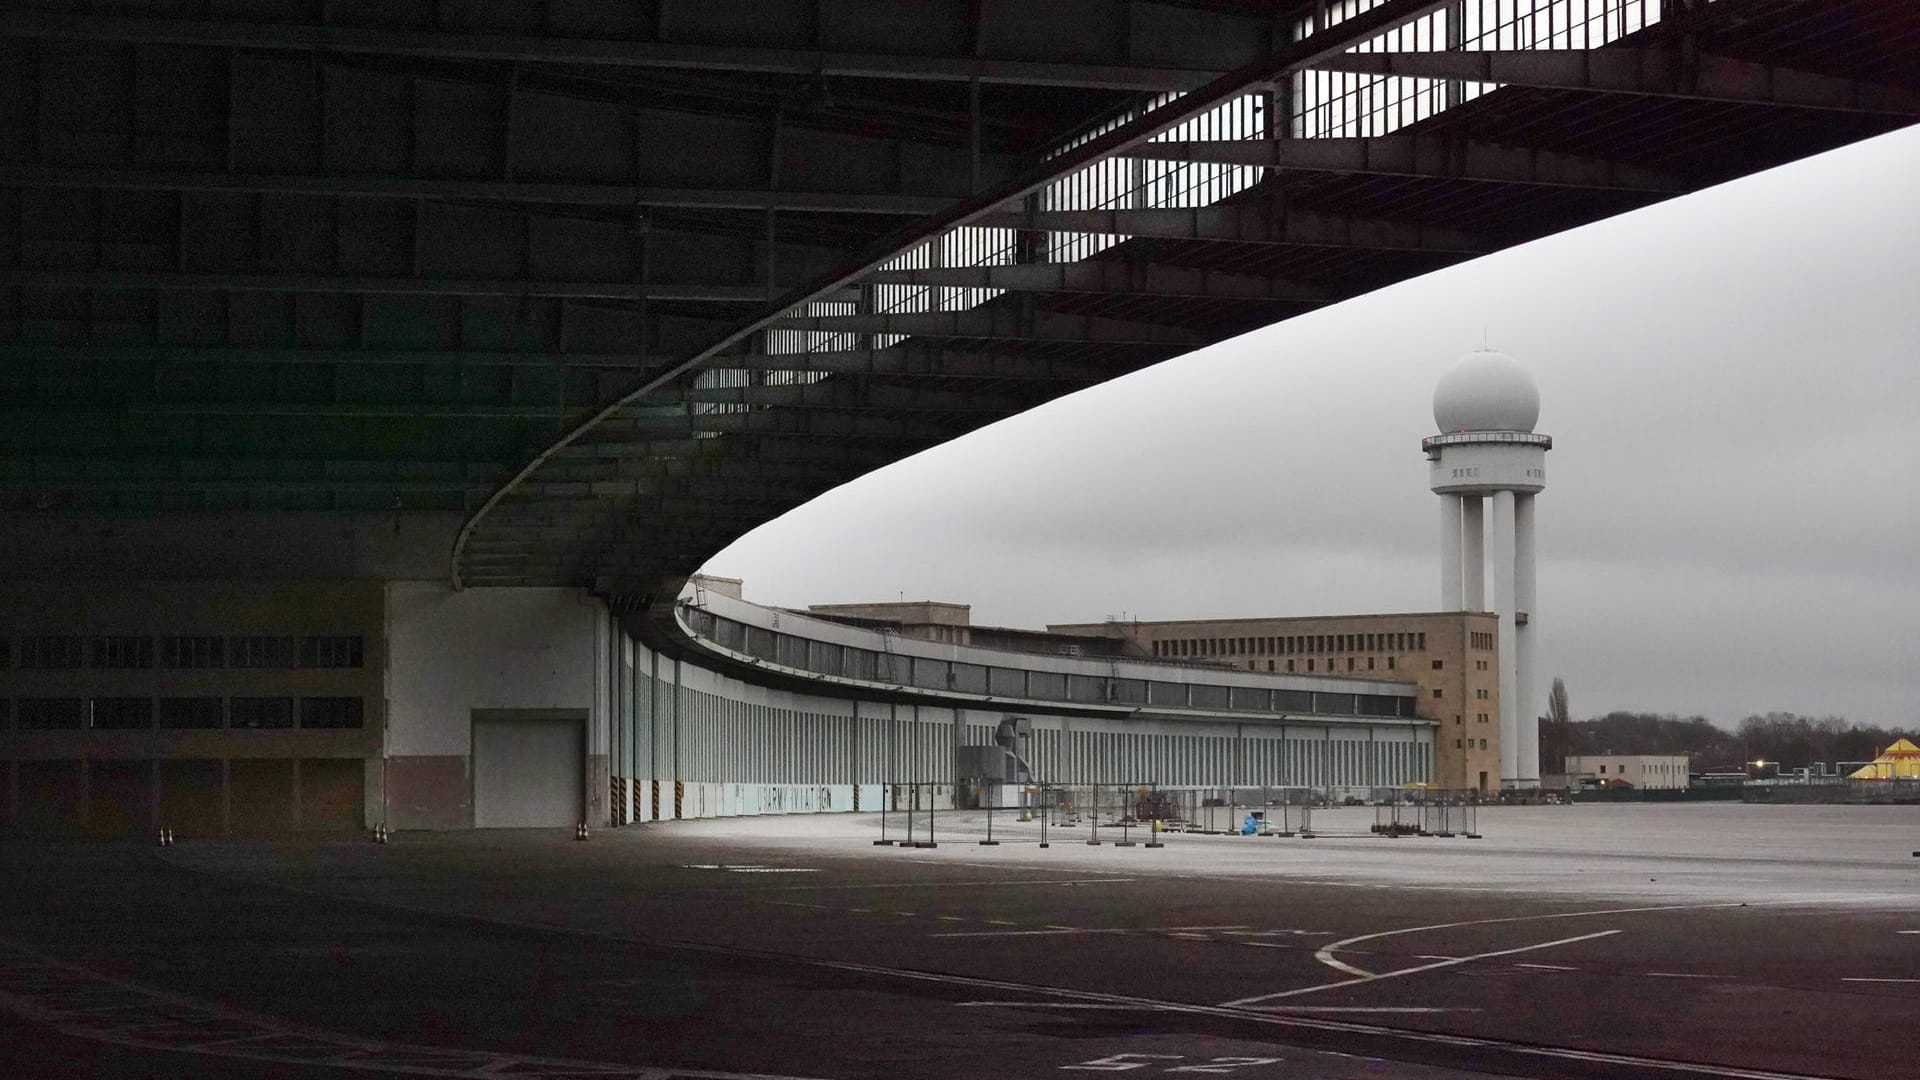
<point>1646,941</point>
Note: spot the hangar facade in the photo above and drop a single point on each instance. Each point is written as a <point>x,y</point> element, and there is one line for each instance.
<point>323,320</point>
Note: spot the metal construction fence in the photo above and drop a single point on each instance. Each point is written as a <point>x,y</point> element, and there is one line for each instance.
<point>921,815</point>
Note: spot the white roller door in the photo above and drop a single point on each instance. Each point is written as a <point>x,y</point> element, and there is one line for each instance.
<point>528,768</point>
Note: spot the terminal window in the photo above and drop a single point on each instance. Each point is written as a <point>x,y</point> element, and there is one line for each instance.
<point>262,712</point>
<point>50,652</point>
<point>122,651</point>
<point>192,652</point>
<point>346,651</point>
<point>331,712</point>
<point>263,652</point>
<point>122,713</point>
<point>180,713</point>
<point>50,714</point>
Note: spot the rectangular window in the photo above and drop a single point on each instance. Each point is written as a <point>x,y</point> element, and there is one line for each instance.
<point>262,712</point>
<point>1483,744</point>
<point>331,712</point>
<point>1289,664</point>
<point>263,652</point>
<point>1439,664</point>
<point>193,652</point>
<point>345,651</point>
<point>122,713</point>
<point>1349,663</point>
<point>122,651</point>
<point>1437,692</point>
<point>50,652</point>
<point>1420,643</point>
<point>1389,663</point>
<point>1369,663</point>
<point>51,714</point>
<point>180,713</point>
<point>1309,663</point>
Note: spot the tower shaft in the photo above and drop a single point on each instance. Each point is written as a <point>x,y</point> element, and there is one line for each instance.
<point>1522,707</point>
<point>1451,596</point>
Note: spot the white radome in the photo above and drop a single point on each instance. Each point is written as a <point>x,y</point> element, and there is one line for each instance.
<point>1486,391</point>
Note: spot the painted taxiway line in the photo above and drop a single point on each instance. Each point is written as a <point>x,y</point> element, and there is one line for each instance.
<point>1276,1018</point>
<point>1287,1018</point>
<point>1867,980</point>
<point>1326,953</point>
<point>1402,972</point>
<point>1164,1008</point>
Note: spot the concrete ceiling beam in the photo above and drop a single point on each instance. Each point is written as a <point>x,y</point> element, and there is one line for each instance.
<point>1110,277</point>
<point>1655,72</point>
<point>124,280</point>
<point>1419,156</point>
<point>922,359</point>
<point>1062,70</point>
<point>1248,223</point>
<point>1005,324</point>
<point>621,196</point>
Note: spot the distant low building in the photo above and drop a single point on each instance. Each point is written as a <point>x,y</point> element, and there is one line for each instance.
<point>1654,771</point>
<point>1901,761</point>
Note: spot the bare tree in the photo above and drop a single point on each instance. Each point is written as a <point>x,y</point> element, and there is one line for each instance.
<point>1556,730</point>
<point>1557,708</point>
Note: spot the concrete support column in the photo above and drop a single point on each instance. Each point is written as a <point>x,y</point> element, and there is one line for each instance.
<point>1473,552</point>
<point>1450,581</point>
<point>1522,707</point>
<point>1502,571</point>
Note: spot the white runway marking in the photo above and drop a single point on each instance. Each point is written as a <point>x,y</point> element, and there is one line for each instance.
<point>1882,980</point>
<point>1059,1005</point>
<point>1294,1019</point>
<point>1362,980</point>
<point>1125,1006</point>
<point>1325,955</point>
<point>1277,1018</point>
<point>1547,967</point>
<point>1680,975</point>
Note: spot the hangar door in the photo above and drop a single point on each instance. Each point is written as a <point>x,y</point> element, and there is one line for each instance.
<point>529,766</point>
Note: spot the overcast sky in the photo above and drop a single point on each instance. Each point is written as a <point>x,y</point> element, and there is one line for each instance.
<point>1732,522</point>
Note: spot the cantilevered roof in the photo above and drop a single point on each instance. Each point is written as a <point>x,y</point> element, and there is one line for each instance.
<point>621,282</point>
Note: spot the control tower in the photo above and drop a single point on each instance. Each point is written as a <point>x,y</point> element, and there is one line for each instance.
<point>1485,406</point>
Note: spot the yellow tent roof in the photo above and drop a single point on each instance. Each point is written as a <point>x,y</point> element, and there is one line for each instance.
<point>1901,760</point>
